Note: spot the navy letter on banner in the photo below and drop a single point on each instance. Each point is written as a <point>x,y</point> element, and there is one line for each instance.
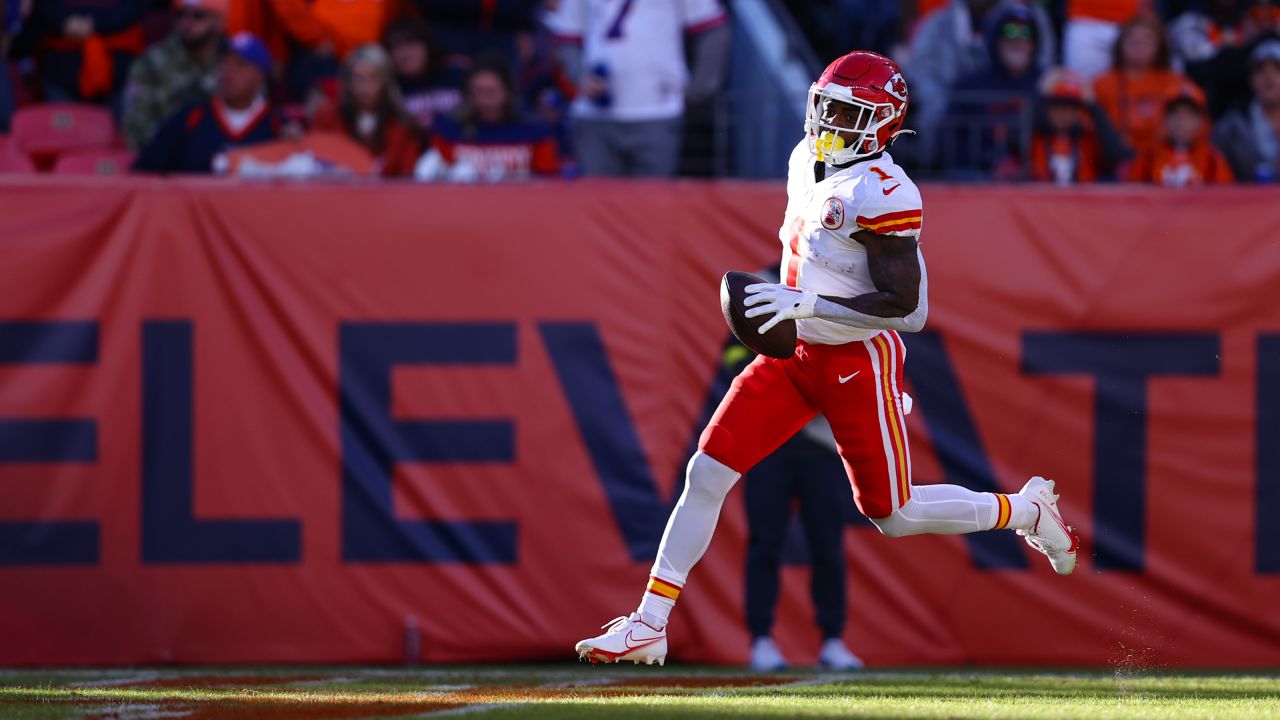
<point>170,531</point>
<point>49,542</point>
<point>373,442</point>
<point>1121,363</point>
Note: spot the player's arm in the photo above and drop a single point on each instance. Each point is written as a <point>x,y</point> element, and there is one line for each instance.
<point>900,302</point>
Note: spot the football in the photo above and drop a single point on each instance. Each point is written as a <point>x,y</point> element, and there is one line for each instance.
<point>780,342</point>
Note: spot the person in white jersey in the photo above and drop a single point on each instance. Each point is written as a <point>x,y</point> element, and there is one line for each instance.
<point>853,278</point>
<point>629,59</point>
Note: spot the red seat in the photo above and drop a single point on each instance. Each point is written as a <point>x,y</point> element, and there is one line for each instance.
<point>94,162</point>
<point>47,130</point>
<point>14,164</point>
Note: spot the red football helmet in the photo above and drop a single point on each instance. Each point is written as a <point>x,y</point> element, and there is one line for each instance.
<point>874,85</point>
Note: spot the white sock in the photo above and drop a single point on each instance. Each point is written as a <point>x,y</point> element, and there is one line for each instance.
<point>688,534</point>
<point>955,510</point>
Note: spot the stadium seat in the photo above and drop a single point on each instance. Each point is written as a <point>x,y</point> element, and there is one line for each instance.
<point>47,130</point>
<point>15,164</point>
<point>94,162</point>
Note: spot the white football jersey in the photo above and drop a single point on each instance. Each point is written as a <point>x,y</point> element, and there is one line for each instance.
<point>819,253</point>
<point>641,43</point>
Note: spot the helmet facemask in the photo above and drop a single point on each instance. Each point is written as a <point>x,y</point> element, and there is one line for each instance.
<point>827,141</point>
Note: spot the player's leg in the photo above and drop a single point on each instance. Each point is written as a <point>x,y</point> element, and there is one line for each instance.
<point>871,431</point>
<point>760,411</point>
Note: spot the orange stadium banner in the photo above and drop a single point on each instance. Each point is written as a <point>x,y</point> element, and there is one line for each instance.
<point>282,423</point>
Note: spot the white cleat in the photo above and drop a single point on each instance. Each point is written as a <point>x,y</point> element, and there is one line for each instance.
<point>835,655</point>
<point>1050,535</point>
<point>626,638</point>
<point>766,657</point>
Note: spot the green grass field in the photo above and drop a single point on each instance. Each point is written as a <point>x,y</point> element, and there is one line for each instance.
<point>555,691</point>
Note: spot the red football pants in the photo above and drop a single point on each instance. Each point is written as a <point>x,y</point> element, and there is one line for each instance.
<point>857,386</point>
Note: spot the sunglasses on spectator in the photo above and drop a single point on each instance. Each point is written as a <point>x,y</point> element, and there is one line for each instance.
<point>1016,31</point>
<point>192,14</point>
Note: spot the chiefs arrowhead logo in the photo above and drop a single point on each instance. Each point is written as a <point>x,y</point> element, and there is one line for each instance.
<point>897,87</point>
<point>833,214</point>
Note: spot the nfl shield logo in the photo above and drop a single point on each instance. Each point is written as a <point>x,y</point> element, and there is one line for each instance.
<point>833,214</point>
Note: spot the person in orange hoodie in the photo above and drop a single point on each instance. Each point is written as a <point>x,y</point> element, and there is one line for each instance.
<point>1184,157</point>
<point>1134,90</point>
<point>370,111</point>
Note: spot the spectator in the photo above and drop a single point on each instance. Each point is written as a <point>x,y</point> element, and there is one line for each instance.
<point>488,140</point>
<point>87,47</point>
<point>428,84</point>
<point>1133,92</point>
<point>370,111</point>
<point>1065,148</point>
<point>179,71</point>
<point>323,32</point>
<point>194,139</point>
<point>990,115</point>
<point>1249,137</point>
<point>1184,156</point>
<point>633,78</point>
<point>950,44</point>
<point>1091,32</point>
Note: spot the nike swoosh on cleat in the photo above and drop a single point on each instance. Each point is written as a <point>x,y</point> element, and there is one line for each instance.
<point>627,641</point>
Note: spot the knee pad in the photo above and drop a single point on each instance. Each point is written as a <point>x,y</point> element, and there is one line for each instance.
<point>709,478</point>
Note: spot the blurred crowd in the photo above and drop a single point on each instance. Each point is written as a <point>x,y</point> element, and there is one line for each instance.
<point>454,90</point>
<point>1174,92</point>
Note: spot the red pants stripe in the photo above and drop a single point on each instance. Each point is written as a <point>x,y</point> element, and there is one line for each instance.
<point>856,386</point>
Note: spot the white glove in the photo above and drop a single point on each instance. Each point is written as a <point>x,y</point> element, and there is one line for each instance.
<point>782,301</point>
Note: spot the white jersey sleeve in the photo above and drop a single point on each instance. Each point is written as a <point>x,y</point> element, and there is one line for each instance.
<point>698,15</point>
<point>888,203</point>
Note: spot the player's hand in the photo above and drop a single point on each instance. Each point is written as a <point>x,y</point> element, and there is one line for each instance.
<point>782,301</point>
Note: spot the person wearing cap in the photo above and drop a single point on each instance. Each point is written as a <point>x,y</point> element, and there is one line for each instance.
<point>181,70</point>
<point>194,138</point>
<point>1183,157</point>
<point>1073,142</point>
<point>1249,137</point>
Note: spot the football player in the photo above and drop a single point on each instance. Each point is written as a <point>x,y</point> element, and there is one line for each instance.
<point>853,278</point>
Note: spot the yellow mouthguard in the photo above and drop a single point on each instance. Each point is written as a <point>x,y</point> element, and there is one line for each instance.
<point>828,143</point>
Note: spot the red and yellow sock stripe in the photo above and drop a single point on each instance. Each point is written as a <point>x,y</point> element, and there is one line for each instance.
<point>662,588</point>
<point>1003,512</point>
